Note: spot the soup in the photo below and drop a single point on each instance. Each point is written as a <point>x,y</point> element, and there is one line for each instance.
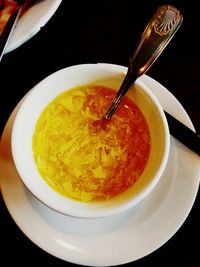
<point>85,162</point>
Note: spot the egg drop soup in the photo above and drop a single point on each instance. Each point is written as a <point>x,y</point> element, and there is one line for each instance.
<point>85,162</point>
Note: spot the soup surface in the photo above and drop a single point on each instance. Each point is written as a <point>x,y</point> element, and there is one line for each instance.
<point>86,162</point>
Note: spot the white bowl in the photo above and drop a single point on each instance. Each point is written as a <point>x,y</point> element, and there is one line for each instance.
<point>40,96</point>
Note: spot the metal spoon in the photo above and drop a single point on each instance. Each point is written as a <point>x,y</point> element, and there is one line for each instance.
<point>159,31</point>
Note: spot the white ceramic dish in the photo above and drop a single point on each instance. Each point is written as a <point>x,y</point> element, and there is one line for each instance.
<point>31,22</point>
<point>42,94</point>
<point>117,239</point>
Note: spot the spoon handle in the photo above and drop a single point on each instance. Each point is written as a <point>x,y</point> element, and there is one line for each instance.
<point>157,34</point>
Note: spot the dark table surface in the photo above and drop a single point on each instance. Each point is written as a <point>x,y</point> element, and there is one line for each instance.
<point>104,31</point>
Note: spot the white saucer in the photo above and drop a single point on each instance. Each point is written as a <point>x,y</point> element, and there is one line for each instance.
<point>31,22</point>
<point>118,239</point>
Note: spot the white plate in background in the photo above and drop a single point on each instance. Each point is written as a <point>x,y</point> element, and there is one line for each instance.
<point>31,22</point>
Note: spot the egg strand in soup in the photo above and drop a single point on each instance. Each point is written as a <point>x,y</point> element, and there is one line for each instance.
<point>85,163</point>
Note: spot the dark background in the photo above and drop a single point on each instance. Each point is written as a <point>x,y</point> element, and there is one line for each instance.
<point>106,31</point>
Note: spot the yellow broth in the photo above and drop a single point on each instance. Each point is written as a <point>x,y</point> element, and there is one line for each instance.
<point>82,161</point>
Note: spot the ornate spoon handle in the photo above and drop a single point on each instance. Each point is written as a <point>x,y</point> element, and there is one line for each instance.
<point>157,34</point>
